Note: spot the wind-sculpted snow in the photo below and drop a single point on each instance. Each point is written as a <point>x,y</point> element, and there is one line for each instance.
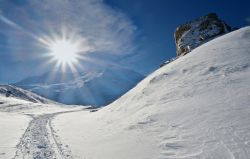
<point>194,107</point>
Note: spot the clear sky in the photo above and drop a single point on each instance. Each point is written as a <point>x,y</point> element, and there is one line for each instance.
<point>133,33</point>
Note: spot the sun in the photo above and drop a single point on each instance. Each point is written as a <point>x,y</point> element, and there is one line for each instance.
<point>64,51</point>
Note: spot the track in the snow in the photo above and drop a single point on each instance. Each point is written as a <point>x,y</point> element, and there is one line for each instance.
<point>40,141</point>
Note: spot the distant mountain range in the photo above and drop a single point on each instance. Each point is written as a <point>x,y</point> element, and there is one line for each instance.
<point>96,87</point>
<point>19,93</point>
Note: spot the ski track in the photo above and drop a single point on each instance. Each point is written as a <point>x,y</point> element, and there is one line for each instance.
<point>40,140</point>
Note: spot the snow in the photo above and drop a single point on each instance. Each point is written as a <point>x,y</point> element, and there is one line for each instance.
<point>194,107</point>
<point>198,32</point>
<point>19,93</point>
<point>12,127</point>
<point>25,128</point>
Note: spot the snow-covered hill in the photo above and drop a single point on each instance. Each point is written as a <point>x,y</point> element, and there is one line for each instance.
<point>96,87</point>
<point>198,106</point>
<point>13,91</point>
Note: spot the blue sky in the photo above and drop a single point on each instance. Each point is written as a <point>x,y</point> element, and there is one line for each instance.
<point>157,20</point>
<point>132,33</point>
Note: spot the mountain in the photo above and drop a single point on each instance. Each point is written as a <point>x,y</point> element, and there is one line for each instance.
<point>96,87</point>
<point>13,91</point>
<point>194,107</point>
<point>194,33</point>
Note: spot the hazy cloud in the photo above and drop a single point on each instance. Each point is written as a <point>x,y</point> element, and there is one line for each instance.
<point>105,30</point>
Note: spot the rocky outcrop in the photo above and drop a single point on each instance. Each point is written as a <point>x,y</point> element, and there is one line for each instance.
<point>194,33</point>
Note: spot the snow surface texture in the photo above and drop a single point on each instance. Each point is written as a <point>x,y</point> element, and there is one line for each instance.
<point>199,31</point>
<point>12,128</point>
<point>195,107</point>
<point>26,131</point>
<point>13,91</point>
<point>95,87</point>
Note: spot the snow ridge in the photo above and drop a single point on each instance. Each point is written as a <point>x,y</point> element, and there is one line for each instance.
<point>13,91</point>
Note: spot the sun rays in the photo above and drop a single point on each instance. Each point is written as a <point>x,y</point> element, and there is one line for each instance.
<point>65,51</point>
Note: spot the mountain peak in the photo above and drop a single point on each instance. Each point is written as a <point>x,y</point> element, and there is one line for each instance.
<point>199,31</point>
<point>96,87</point>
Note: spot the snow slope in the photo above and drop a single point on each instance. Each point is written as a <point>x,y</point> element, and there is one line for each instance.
<point>96,87</point>
<point>15,92</point>
<point>198,106</point>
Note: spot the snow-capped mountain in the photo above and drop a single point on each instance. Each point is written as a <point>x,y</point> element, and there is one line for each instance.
<point>194,33</point>
<point>13,91</point>
<point>194,107</point>
<point>96,87</point>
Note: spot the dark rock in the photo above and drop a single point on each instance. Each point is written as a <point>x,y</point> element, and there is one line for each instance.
<point>194,33</point>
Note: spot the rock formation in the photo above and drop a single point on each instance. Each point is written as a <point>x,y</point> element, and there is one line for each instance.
<point>194,33</point>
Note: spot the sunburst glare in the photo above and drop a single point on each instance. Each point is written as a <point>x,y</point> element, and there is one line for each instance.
<point>64,51</point>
